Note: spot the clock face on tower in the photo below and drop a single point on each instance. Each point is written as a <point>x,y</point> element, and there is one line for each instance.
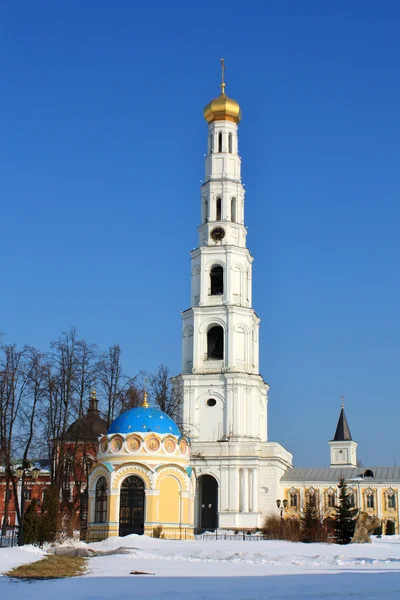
<point>217,234</point>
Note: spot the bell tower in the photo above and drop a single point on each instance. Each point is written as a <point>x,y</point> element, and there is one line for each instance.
<point>224,408</point>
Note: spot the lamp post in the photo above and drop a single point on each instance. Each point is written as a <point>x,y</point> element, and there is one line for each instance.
<point>23,471</point>
<point>205,519</point>
<point>282,505</point>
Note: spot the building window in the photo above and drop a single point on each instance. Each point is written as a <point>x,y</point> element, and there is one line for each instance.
<point>352,499</point>
<point>230,143</point>
<point>27,494</point>
<point>220,141</point>
<point>293,499</point>
<point>100,511</point>
<point>331,499</point>
<point>217,280</point>
<point>391,499</point>
<point>210,143</point>
<point>233,210</point>
<point>368,473</point>
<point>7,494</point>
<point>218,213</point>
<point>311,498</point>
<point>215,343</point>
<point>370,500</point>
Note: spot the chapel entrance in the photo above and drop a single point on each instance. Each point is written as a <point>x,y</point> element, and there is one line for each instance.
<point>207,511</point>
<point>132,505</point>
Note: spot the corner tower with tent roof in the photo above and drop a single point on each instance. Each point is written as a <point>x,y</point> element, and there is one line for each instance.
<point>343,447</point>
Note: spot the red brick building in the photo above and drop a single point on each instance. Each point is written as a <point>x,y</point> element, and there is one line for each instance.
<point>79,449</point>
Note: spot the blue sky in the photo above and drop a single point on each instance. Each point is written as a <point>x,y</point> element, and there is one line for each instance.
<point>101,157</point>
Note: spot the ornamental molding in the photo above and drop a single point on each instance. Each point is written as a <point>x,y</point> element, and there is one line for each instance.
<point>98,471</point>
<point>180,474</point>
<point>132,469</point>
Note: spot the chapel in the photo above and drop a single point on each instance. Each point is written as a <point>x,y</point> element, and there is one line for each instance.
<point>142,479</point>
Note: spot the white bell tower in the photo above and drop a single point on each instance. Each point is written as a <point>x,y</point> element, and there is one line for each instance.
<point>225,399</point>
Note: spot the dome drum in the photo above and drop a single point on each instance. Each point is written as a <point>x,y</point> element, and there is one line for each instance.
<point>139,444</point>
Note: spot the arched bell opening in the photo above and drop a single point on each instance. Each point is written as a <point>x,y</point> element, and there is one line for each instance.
<point>215,343</point>
<point>132,506</point>
<point>217,281</point>
<point>207,503</point>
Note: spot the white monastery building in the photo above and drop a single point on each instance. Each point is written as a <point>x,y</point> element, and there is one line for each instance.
<point>219,469</point>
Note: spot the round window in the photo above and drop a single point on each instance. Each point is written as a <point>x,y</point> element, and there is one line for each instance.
<point>211,402</point>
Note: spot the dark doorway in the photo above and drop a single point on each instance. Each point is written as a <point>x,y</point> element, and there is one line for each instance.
<point>217,281</point>
<point>215,343</point>
<point>207,489</point>
<point>131,508</point>
<point>390,528</point>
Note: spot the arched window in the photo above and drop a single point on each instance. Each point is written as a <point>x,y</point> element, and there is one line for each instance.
<point>215,343</point>
<point>233,210</point>
<point>293,498</point>
<point>369,499</point>
<point>210,141</point>
<point>390,498</point>
<point>368,473</point>
<point>230,143</point>
<point>220,141</point>
<point>205,210</point>
<point>218,209</point>
<point>100,511</point>
<point>331,499</point>
<point>311,498</point>
<point>217,280</point>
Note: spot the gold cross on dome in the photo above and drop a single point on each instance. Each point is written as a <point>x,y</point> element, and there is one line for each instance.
<point>222,77</point>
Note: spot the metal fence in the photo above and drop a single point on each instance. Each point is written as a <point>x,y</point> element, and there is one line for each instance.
<point>10,538</point>
<point>221,535</point>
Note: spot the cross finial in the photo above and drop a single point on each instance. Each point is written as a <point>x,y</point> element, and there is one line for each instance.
<point>93,404</point>
<point>222,77</point>
<point>145,403</point>
<point>342,399</point>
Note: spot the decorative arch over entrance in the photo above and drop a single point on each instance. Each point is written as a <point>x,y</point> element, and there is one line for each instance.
<point>207,490</point>
<point>132,506</point>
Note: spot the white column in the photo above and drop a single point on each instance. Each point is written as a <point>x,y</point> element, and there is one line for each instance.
<point>245,490</point>
<point>254,484</point>
<point>379,503</point>
<point>91,505</point>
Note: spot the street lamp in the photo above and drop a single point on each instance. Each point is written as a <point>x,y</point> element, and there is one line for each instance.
<point>23,471</point>
<point>282,505</point>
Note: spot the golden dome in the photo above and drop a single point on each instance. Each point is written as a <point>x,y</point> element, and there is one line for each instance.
<point>222,108</point>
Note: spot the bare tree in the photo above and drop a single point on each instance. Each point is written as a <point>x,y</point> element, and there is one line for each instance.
<point>162,394</point>
<point>116,387</point>
<point>21,391</point>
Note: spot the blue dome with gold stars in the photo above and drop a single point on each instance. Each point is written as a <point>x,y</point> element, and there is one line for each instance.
<point>143,420</point>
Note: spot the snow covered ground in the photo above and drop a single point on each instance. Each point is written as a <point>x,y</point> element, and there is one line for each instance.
<point>234,569</point>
